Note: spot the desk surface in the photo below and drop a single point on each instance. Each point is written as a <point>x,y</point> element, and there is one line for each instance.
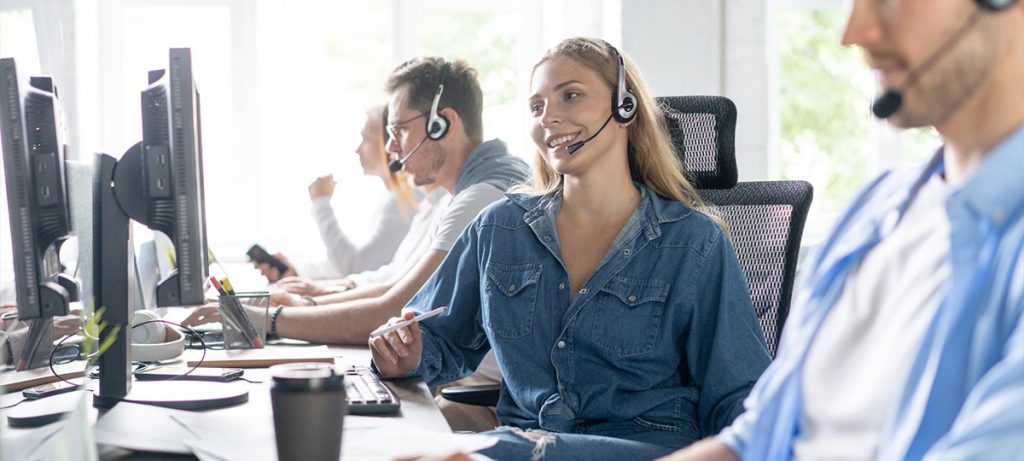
<point>417,408</point>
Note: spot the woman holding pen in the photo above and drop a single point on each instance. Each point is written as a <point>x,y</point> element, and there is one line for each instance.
<point>617,309</point>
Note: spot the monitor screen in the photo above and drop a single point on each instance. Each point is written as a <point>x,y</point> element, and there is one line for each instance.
<point>34,148</point>
<point>172,176</point>
<point>33,143</point>
<point>158,182</point>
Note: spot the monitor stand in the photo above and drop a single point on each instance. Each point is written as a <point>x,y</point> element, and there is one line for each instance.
<point>117,185</point>
<point>179,395</point>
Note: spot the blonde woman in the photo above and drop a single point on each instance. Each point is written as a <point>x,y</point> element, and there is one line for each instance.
<point>392,222</point>
<point>617,310</point>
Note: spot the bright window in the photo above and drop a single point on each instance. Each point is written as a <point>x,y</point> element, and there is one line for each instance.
<point>827,135</point>
<point>284,87</point>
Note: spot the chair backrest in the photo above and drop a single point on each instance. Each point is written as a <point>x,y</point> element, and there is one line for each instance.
<point>703,130</point>
<point>765,218</point>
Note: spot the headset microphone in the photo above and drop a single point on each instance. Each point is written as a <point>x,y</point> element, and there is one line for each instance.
<point>623,102</point>
<point>396,165</point>
<point>437,123</point>
<point>892,99</point>
<point>578,144</point>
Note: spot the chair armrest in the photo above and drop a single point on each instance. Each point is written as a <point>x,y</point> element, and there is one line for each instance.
<point>485,395</point>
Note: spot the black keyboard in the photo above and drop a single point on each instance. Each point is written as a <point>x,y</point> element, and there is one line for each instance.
<point>367,395</point>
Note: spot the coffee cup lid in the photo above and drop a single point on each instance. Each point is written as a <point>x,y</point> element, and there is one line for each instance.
<point>306,376</point>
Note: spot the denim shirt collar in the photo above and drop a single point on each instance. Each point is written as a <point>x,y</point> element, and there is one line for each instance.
<point>652,211</point>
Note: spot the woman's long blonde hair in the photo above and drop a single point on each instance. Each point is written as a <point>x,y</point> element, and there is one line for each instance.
<point>652,157</point>
<point>397,182</point>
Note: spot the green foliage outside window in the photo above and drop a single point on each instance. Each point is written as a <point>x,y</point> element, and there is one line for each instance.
<point>826,129</point>
<point>824,124</point>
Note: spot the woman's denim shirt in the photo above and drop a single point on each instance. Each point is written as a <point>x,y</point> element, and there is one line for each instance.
<point>661,344</point>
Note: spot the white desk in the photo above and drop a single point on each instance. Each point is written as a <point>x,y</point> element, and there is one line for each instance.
<point>417,408</point>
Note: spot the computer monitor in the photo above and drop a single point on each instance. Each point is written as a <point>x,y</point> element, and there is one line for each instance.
<point>158,182</point>
<point>34,149</point>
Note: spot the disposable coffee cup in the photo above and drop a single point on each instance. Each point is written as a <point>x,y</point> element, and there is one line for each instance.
<point>308,400</point>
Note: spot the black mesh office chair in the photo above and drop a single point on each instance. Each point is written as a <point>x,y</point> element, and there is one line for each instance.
<point>766,218</point>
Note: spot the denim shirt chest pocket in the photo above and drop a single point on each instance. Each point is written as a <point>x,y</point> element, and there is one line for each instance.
<point>512,298</point>
<point>627,315</point>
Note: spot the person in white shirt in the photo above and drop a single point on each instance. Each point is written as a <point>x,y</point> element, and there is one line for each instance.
<point>392,219</point>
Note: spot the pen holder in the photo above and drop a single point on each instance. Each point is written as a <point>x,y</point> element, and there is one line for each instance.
<point>244,316</point>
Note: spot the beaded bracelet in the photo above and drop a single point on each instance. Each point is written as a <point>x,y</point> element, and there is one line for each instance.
<point>273,320</point>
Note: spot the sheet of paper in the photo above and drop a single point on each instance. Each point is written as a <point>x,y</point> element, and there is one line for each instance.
<point>23,445</point>
<point>144,427</point>
<point>69,439</point>
<point>74,440</point>
<point>364,438</point>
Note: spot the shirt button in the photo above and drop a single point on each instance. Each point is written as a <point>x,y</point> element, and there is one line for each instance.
<point>583,291</point>
<point>561,344</point>
<point>631,298</point>
<point>627,252</point>
<point>561,286</point>
<point>512,287</point>
<point>547,238</point>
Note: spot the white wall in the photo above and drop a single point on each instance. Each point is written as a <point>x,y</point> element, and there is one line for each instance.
<point>716,47</point>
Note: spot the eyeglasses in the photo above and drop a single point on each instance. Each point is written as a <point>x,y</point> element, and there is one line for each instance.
<point>396,129</point>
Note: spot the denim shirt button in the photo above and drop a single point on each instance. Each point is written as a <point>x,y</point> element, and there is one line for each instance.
<point>561,286</point>
<point>512,288</point>
<point>626,252</point>
<point>583,291</point>
<point>631,298</point>
<point>547,238</point>
<point>561,344</point>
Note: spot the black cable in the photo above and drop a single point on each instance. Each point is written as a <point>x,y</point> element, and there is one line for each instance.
<point>13,404</point>
<point>84,377</point>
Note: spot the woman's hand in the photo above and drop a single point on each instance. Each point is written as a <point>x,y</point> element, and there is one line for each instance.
<point>302,286</point>
<point>284,298</point>
<point>398,353</point>
<point>322,187</point>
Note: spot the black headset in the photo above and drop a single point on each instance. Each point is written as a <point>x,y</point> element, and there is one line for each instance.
<point>995,5</point>
<point>623,102</point>
<point>437,124</point>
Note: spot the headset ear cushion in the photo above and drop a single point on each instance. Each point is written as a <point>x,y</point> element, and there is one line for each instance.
<point>626,111</point>
<point>154,342</point>
<point>438,127</point>
<point>995,5</point>
<point>149,333</point>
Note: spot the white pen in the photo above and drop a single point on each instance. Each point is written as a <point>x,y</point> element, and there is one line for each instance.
<point>404,323</point>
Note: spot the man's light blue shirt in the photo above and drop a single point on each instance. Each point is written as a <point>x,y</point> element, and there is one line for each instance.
<point>964,394</point>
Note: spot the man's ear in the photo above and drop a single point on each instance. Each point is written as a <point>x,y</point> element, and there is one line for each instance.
<point>454,121</point>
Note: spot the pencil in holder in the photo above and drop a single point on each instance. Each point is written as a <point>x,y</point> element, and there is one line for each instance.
<point>244,316</point>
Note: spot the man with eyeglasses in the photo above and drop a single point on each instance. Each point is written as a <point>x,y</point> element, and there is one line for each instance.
<point>435,131</point>
<point>455,157</point>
